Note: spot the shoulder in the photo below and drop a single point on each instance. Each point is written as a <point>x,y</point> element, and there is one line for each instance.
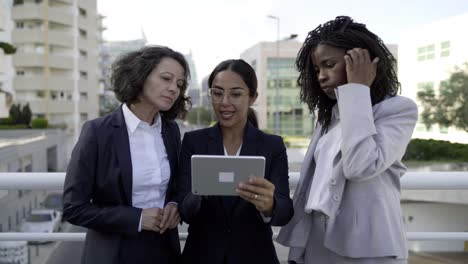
<point>271,142</point>
<point>270,137</point>
<point>170,124</point>
<point>199,134</point>
<point>397,105</point>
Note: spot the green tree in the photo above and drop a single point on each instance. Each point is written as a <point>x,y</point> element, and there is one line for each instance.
<point>450,106</point>
<point>7,48</point>
<point>201,115</point>
<point>26,115</point>
<point>15,113</point>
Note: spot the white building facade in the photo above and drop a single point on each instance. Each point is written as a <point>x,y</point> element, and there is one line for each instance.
<point>56,64</point>
<point>427,55</point>
<point>6,66</point>
<point>276,73</point>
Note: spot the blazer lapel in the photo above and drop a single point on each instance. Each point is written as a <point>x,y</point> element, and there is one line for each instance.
<point>216,147</point>
<point>249,144</point>
<point>171,150</point>
<point>215,141</point>
<point>122,147</point>
<point>308,164</point>
<point>249,148</point>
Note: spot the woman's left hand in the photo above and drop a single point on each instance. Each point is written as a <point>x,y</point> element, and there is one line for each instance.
<point>259,192</point>
<point>359,67</point>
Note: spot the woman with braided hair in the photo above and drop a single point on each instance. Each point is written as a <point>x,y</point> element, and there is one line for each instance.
<point>347,201</point>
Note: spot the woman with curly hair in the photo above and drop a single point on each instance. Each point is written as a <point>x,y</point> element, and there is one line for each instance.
<point>120,180</point>
<point>347,201</point>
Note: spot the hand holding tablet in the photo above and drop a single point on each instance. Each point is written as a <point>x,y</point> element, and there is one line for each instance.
<point>221,175</point>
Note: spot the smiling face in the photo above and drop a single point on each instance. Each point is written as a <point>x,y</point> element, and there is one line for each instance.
<point>162,86</point>
<point>330,68</point>
<point>233,107</point>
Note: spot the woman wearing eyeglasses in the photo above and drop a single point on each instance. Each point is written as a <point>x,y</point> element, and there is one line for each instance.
<point>235,229</point>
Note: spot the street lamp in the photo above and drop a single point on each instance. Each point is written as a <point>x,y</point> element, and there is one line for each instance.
<point>278,40</point>
<point>277,116</point>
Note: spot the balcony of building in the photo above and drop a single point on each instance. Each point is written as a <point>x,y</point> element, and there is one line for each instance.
<point>62,38</point>
<point>32,59</point>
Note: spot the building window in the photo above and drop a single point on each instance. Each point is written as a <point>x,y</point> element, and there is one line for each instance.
<point>53,95</point>
<point>83,54</point>
<point>19,73</point>
<point>83,75</point>
<point>421,127</point>
<point>41,94</point>
<point>445,49</point>
<point>83,96</point>
<point>69,96</point>
<point>83,117</point>
<point>19,24</point>
<point>425,86</point>
<point>443,129</point>
<point>18,2</point>
<point>426,52</point>
<point>83,33</point>
<point>82,12</point>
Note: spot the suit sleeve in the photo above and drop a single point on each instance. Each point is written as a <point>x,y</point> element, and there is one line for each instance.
<point>283,208</point>
<point>78,208</point>
<point>189,204</point>
<point>175,189</point>
<point>372,144</point>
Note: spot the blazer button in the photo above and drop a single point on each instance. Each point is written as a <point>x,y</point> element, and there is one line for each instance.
<point>333,182</point>
<point>228,230</point>
<point>336,198</point>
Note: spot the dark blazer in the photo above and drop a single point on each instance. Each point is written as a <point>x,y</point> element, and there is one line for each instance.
<point>98,186</point>
<point>230,229</point>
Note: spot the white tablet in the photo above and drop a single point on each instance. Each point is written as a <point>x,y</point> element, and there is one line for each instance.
<point>220,175</point>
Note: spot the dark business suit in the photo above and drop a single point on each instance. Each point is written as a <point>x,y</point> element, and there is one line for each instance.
<point>98,194</point>
<point>230,229</point>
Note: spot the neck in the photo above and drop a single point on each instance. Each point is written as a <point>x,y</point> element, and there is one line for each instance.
<point>145,113</point>
<point>233,137</point>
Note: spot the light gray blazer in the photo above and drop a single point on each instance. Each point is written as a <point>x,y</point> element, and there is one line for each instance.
<point>365,218</point>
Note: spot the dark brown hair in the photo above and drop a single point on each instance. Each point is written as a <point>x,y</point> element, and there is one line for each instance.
<point>130,71</point>
<point>247,73</point>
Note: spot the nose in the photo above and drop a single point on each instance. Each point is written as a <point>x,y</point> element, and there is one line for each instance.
<point>173,88</point>
<point>322,76</point>
<point>225,100</point>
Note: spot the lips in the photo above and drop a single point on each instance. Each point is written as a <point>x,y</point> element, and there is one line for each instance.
<point>226,114</point>
<point>168,98</point>
<point>328,89</point>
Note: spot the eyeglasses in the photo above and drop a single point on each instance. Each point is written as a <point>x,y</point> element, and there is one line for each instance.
<point>234,96</point>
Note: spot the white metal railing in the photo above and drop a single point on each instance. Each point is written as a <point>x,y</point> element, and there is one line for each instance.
<point>410,181</point>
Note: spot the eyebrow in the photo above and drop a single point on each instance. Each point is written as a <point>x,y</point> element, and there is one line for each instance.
<point>232,88</point>
<point>182,79</point>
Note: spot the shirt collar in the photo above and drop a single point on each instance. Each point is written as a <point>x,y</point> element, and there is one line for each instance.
<point>336,112</point>
<point>132,121</point>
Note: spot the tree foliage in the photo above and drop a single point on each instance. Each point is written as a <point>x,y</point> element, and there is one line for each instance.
<point>200,116</point>
<point>7,48</point>
<point>20,115</point>
<point>450,106</point>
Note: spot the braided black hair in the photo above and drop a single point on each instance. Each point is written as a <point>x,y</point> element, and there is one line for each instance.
<point>343,33</point>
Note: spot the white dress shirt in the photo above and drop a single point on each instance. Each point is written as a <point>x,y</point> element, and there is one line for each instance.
<point>150,165</point>
<point>327,148</point>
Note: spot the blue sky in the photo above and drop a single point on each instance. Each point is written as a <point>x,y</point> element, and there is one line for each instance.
<point>217,30</point>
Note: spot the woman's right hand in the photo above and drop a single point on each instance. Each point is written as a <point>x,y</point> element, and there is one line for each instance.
<point>151,219</point>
